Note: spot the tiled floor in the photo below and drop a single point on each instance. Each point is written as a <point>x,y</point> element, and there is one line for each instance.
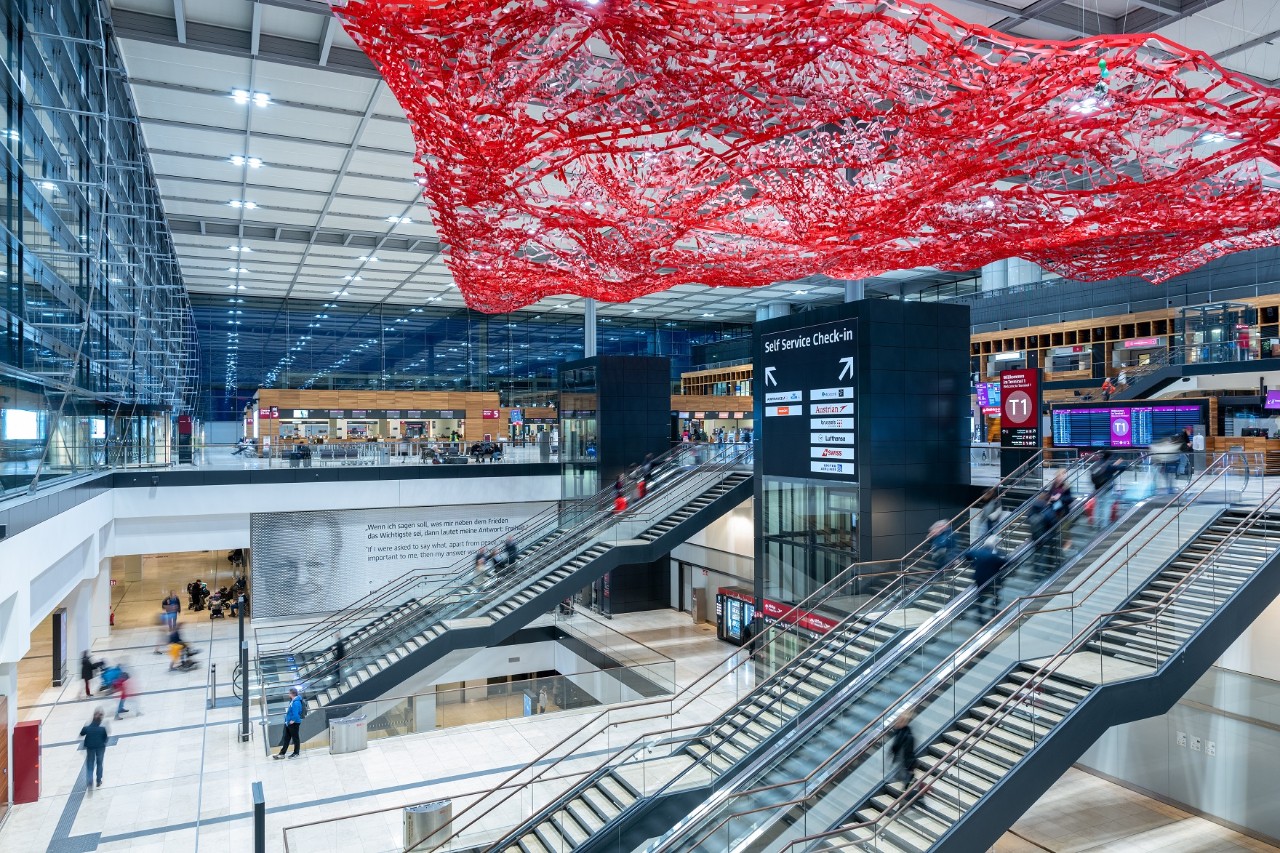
<point>178,779</point>
<point>1085,813</point>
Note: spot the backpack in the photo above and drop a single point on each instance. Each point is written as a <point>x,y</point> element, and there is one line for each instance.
<point>302,710</point>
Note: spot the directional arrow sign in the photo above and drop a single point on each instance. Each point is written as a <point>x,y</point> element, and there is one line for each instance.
<point>847,370</point>
<point>768,376</point>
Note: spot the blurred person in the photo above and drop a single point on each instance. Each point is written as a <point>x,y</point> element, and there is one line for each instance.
<point>987,563</point>
<point>1103,474</point>
<point>88,666</point>
<point>902,749</point>
<point>940,543</point>
<point>513,551</point>
<point>95,738</point>
<point>1165,454</point>
<point>124,690</point>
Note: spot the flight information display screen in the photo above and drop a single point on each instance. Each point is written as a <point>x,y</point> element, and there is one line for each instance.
<point>1121,426</point>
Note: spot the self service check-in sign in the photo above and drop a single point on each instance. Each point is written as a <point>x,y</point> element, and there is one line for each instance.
<point>808,377</point>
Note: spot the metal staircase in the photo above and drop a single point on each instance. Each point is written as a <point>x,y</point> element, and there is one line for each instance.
<point>835,756</point>
<point>1005,749</point>
<point>560,552</point>
<point>675,765</point>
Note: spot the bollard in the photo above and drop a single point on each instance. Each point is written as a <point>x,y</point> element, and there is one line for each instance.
<point>212,700</point>
<point>259,819</point>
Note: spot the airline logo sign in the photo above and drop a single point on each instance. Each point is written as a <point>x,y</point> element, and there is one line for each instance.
<point>784,397</point>
<point>833,453</point>
<point>845,468</point>
<point>782,411</point>
<point>831,408</point>
<point>845,438</point>
<point>831,423</point>
<point>831,394</point>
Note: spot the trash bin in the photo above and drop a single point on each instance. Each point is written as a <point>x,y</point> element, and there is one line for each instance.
<point>427,822</point>
<point>348,734</point>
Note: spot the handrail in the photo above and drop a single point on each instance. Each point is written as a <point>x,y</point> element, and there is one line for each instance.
<point>1031,684</point>
<point>869,606</point>
<point>949,664</point>
<point>784,625</point>
<point>461,566</point>
<point>451,601</point>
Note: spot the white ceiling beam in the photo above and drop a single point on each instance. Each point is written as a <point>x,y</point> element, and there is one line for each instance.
<point>326,41</point>
<point>180,20</point>
<point>255,30</point>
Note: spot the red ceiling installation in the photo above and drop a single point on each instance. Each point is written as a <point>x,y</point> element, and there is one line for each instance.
<point>620,147</point>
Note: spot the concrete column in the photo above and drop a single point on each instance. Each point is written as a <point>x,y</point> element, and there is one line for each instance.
<point>855,290</point>
<point>100,603</point>
<point>80,636</point>
<point>588,328</point>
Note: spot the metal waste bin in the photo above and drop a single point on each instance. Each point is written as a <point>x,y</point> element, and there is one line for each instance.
<point>427,823</point>
<point>348,734</point>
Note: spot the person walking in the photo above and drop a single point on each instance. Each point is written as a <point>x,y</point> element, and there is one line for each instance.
<point>339,652</point>
<point>292,722</point>
<point>87,668</point>
<point>122,688</point>
<point>987,563</point>
<point>940,542</point>
<point>95,737</point>
<point>513,551</point>
<point>902,749</point>
<point>1103,474</point>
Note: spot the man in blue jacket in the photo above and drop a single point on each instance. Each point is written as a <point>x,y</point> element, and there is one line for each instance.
<point>95,746</point>
<point>292,722</point>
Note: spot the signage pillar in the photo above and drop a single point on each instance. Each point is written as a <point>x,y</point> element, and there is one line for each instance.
<point>1020,405</point>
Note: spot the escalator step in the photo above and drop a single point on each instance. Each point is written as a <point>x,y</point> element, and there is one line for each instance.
<point>568,828</point>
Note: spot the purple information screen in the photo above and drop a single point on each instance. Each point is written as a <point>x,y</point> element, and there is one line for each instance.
<point>1121,426</point>
<point>1273,400</point>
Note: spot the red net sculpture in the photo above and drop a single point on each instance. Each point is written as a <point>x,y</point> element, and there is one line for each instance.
<point>620,147</point>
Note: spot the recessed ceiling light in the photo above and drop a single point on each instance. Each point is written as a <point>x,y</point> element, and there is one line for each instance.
<point>352,278</point>
<point>241,160</point>
<point>247,205</point>
<point>368,259</point>
<point>239,249</point>
<point>236,269</point>
<point>339,293</point>
<point>399,220</point>
<point>707,314</point>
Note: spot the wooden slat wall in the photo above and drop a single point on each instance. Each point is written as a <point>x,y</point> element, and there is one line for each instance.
<point>711,403</point>
<point>472,402</point>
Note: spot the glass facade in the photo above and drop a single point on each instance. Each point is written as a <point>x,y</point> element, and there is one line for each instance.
<point>248,343</point>
<point>97,340</point>
<point>809,529</point>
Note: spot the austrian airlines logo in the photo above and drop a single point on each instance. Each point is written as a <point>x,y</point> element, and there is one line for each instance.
<point>830,410</point>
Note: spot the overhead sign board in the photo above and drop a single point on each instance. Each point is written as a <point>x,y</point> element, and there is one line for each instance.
<point>1020,408</point>
<point>809,378</point>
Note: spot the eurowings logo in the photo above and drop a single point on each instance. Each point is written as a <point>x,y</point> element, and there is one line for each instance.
<point>784,410</point>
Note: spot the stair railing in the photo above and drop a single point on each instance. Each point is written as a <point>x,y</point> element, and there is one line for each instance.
<point>1030,689</point>
<point>859,746</point>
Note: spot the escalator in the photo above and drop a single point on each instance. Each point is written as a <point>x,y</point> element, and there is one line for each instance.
<point>684,768</point>
<point>1004,750</point>
<point>409,629</point>
<point>807,785</point>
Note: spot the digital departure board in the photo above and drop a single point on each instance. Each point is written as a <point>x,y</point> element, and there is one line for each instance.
<point>1121,426</point>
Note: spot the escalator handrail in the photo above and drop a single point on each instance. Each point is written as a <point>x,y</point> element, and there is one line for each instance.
<point>856,747</point>
<point>554,512</point>
<point>932,573</point>
<point>1030,685</point>
<point>831,588</point>
<point>451,599</point>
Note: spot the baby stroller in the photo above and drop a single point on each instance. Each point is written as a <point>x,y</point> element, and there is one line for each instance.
<point>110,675</point>
<point>187,661</point>
<point>216,606</point>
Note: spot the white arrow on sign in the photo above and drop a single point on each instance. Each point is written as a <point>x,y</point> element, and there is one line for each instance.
<point>847,370</point>
<point>768,377</point>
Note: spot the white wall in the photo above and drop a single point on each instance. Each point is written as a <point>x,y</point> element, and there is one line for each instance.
<point>726,547</point>
<point>43,565</point>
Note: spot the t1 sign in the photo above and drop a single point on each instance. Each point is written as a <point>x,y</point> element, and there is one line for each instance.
<point>1020,408</point>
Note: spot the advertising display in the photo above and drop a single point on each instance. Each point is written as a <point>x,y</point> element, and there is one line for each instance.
<point>1020,408</point>
<point>311,562</point>
<point>1273,400</point>
<point>1121,425</point>
<point>809,377</point>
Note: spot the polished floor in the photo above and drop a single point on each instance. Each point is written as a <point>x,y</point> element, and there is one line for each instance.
<point>178,778</point>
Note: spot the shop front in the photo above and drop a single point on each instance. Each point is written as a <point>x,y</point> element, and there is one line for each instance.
<point>734,426</point>
<point>1221,332</point>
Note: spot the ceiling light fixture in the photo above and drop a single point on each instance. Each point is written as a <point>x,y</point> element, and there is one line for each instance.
<point>239,249</point>
<point>247,205</point>
<point>243,96</point>
<point>399,220</point>
<point>368,259</point>
<point>241,160</point>
<point>237,269</point>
